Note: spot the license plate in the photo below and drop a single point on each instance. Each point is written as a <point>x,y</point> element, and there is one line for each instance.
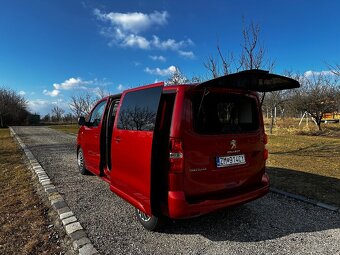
<point>230,160</point>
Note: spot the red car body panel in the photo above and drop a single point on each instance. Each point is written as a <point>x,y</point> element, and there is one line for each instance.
<point>180,208</point>
<point>131,172</point>
<point>89,139</point>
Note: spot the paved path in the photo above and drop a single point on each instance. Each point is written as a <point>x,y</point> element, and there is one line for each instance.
<point>271,225</point>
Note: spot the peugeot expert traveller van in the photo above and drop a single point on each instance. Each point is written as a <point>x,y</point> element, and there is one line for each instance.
<point>181,151</point>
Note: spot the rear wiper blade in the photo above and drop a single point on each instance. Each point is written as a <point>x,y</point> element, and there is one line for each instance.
<point>205,93</point>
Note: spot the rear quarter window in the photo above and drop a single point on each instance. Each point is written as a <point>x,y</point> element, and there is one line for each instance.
<point>220,113</point>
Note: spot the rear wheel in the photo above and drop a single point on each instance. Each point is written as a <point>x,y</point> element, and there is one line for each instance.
<point>81,162</point>
<point>149,222</point>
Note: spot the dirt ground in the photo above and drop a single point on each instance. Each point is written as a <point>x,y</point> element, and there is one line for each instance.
<point>25,227</point>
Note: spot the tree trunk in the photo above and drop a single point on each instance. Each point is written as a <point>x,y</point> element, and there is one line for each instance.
<point>319,125</point>
<point>272,121</point>
<point>282,113</point>
<point>318,122</point>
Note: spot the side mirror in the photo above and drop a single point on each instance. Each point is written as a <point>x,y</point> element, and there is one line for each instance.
<point>81,121</point>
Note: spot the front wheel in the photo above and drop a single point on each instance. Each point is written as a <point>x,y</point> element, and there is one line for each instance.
<point>149,222</point>
<point>81,162</point>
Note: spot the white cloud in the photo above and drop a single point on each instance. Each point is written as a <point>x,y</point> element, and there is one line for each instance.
<point>311,73</point>
<point>39,106</point>
<point>75,83</point>
<point>134,22</point>
<point>99,92</point>
<point>162,72</point>
<point>52,93</point>
<point>44,107</point>
<point>158,58</point>
<point>135,41</point>
<point>186,54</point>
<point>22,93</point>
<point>120,87</point>
<point>70,84</point>
<point>125,30</point>
<point>170,44</point>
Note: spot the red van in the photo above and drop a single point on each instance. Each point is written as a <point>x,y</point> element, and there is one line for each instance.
<point>181,151</point>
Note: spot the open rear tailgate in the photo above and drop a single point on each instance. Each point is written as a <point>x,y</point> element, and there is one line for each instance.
<point>253,80</point>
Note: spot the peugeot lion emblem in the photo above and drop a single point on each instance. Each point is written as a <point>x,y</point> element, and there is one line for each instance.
<point>233,144</point>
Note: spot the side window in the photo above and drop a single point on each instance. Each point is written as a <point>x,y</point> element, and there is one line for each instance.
<point>139,110</point>
<point>97,114</point>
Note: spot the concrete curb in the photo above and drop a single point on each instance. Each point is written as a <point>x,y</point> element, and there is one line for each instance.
<point>81,243</point>
<point>305,199</point>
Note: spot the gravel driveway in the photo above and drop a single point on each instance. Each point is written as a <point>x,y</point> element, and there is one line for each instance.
<point>271,225</point>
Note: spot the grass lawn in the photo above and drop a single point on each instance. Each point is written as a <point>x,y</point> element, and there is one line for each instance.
<point>23,218</point>
<point>306,165</point>
<point>68,128</point>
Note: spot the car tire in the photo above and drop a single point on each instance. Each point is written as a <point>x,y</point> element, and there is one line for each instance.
<point>150,223</point>
<point>81,162</point>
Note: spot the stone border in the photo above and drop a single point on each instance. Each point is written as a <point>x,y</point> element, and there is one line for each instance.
<point>304,199</point>
<point>81,243</point>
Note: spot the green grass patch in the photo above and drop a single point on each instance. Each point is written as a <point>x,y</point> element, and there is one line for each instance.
<point>67,128</point>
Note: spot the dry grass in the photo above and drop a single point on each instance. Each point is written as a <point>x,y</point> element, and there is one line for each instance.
<point>316,155</point>
<point>69,128</point>
<point>23,217</point>
<point>306,165</point>
<point>291,126</point>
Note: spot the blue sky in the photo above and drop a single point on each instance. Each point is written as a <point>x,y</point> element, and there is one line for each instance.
<point>51,50</point>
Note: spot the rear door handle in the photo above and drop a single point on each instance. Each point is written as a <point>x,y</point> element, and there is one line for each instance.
<point>117,139</point>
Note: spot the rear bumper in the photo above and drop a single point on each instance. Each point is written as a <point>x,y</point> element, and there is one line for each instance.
<point>179,208</point>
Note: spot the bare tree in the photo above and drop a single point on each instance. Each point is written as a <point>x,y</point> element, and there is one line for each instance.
<point>211,64</point>
<point>177,78</point>
<point>226,61</point>
<point>253,55</point>
<point>47,118</point>
<point>13,108</point>
<point>318,95</point>
<point>69,118</point>
<point>57,113</point>
<point>275,101</point>
<point>335,69</point>
<point>196,79</point>
<point>101,93</point>
<point>81,105</point>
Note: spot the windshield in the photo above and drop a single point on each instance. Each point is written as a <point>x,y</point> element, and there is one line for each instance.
<point>221,113</point>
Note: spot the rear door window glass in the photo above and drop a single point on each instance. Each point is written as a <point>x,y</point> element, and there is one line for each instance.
<point>139,110</point>
<point>217,113</point>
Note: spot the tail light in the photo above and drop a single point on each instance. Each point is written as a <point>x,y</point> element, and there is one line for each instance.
<point>265,151</point>
<point>176,155</point>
